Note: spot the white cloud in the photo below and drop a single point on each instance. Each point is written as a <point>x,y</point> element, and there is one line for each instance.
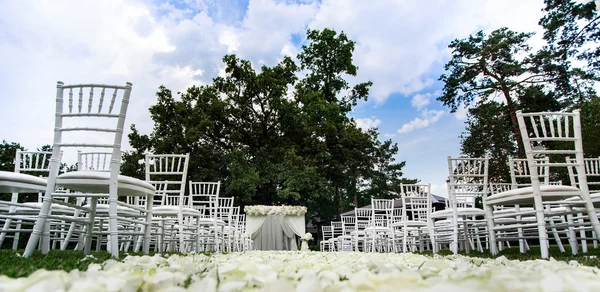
<point>461,113</point>
<point>428,117</point>
<point>400,42</point>
<point>440,189</point>
<point>367,123</point>
<point>389,136</point>
<point>420,100</point>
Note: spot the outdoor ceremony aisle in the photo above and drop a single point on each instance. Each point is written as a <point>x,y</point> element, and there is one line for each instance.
<point>314,271</point>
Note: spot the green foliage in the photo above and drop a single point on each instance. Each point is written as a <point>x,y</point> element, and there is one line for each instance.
<point>496,75</point>
<point>270,146</point>
<point>572,30</point>
<point>7,155</point>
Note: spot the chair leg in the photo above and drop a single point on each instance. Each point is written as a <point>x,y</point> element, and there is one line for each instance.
<point>491,232</point>
<point>572,234</point>
<point>90,226</point>
<point>584,247</point>
<point>6,227</point>
<point>16,236</point>
<point>541,224</point>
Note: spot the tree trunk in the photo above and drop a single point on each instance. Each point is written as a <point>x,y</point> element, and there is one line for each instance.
<point>513,119</point>
<point>341,199</point>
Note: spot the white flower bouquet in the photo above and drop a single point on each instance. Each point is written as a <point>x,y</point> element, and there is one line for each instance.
<point>308,236</point>
<point>262,210</point>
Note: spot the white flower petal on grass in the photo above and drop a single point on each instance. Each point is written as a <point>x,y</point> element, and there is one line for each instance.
<point>315,271</point>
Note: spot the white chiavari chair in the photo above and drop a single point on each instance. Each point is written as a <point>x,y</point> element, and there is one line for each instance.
<point>204,196</point>
<point>539,131</point>
<point>95,121</point>
<point>415,219</point>
<point>31,168</point>
<point>468,180</point>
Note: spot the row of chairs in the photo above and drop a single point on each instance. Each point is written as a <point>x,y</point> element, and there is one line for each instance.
<point>530,207</point>
<point>199,220</point>
<point>386,225</point>
<point>97,201</point>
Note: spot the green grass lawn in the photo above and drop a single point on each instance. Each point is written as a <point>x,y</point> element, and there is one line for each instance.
<point>13,265</point>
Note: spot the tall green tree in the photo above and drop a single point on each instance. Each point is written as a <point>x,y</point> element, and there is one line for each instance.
<point>484,67</point>
<point>272,146</point>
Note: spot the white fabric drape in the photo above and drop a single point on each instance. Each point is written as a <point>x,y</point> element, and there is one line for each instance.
<point>296,223</point>
<point>253,224</point>
<point>275,232</point>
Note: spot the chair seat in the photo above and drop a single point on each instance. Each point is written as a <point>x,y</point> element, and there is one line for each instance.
<point>211,221</point>
<point>98,182</point>
<point>34,207</point>
<point>525,195</point>
<point>409,223</point>
<point>460,211</point>
<point>378,229</point>
<point>513,210</point>
<point>14,182</point>
<point>121,210</point>
<point>173,211</point>
<point>577,200</point>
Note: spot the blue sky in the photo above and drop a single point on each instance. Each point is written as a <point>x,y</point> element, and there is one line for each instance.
<point>401,46</point>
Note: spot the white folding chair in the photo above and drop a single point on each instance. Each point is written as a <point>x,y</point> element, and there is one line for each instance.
<point>171,206</point>
<point>363,220</point>
<point>22,210</point>
<point>92,123</point>
<point>416,213</point>
<point>379,231</point>
<point>537,131</point>
<point>204,196</point>
<point>468,180</point>
<point>325,243</point>
<point>592,172</point>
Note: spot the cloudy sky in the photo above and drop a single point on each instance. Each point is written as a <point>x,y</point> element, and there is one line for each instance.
<point>401,45</point>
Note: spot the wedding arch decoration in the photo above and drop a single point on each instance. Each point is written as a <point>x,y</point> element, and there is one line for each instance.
<point>275,227</point>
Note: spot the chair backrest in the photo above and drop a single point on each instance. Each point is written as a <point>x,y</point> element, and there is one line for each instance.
<point>336,228</point>
<point>168,174</point>
<point>327,232</point>
<point>467,180</point>
<point>540,128</point>
<point>348,224</point>
<point>94,161</point>
<point>520,175</point>
<point>416,202</point>
<point>592,172</point>
<point>382,210</point>
<point>95,121</point>
<point>225,209</point>
<point>363,217</point>
<point>204,195</point>
<point>34,163</point>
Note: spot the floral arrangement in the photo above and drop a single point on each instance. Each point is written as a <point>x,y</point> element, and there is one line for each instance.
<point>313,271</point>
<point>262,210</point>
<point>308,236</point>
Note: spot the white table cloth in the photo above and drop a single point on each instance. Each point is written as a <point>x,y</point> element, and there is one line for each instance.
<point>273,232</point>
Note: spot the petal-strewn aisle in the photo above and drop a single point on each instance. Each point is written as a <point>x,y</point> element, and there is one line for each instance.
<point>314,271</point>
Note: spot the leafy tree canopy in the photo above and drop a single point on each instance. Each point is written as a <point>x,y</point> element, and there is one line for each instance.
<point>274,139</point>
